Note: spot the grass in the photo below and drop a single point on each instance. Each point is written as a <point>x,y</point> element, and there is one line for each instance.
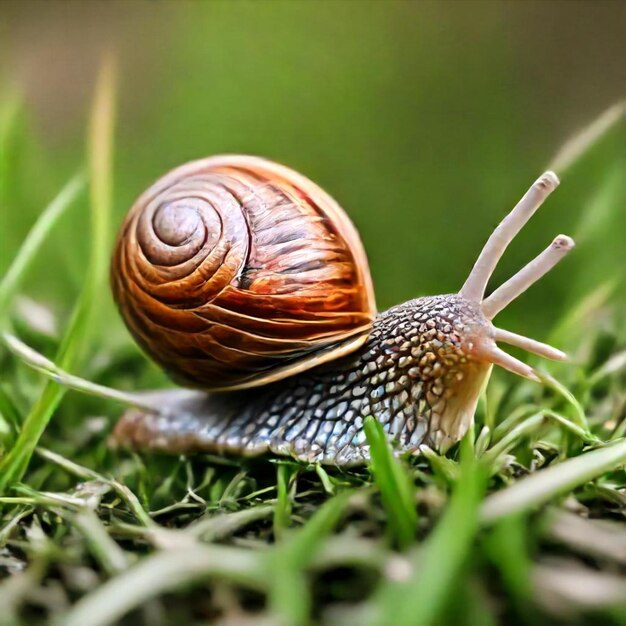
<point>523,522</point>
<point>15,462</point>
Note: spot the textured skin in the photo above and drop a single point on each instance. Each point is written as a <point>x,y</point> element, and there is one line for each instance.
<point>231,270</point>
<point>417,374</point>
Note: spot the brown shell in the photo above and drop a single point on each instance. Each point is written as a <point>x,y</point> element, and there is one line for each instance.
<point>233,271</point>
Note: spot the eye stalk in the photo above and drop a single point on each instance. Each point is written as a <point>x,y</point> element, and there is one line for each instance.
<point>476,283</point>
<point>527,276</point>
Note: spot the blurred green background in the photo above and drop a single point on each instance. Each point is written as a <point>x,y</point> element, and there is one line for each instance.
<point>425,120</point>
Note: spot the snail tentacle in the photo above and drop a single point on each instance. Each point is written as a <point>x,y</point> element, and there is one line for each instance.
<point>530,345</point>
<point>476,283</point>
<point>527,276</point>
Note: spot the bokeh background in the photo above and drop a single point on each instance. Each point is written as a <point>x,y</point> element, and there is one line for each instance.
<point>426,120</point>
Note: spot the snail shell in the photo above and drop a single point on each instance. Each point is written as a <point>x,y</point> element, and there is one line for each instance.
<point>233,271</point>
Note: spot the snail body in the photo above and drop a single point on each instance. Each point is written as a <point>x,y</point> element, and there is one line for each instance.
<point>244,279</point>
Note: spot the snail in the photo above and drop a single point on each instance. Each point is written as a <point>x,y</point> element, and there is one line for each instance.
<point>245,280</point>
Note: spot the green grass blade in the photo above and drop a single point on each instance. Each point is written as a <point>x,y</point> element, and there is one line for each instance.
<point>87,474</point>
<point>513,438</point>
<point>100,154</point>
<point>35,238</point>
<point>282,513</point>
<point>507,548</point>
<point>45,366</point>
<point>106,551</point>
<point>584,435</point>
<point>442,466</point>
<point>14,464</point>
<point>162,572</point>
<point>9,114</point>
<point>10,418</point>
<point>615,365</point>
<point>289,598</point>
<point>301,544</point>
<point>579,417</point>
<point>540,487</point>
<point>420,598</point>
<point>396,487</point>
<point>581,314</point>
<point>584,141</point>
<point>215,527</point>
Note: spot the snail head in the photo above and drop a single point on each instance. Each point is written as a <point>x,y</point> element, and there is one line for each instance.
<point>473,341</point>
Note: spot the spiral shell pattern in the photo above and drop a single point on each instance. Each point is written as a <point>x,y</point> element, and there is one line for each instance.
<point>233,271</point>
